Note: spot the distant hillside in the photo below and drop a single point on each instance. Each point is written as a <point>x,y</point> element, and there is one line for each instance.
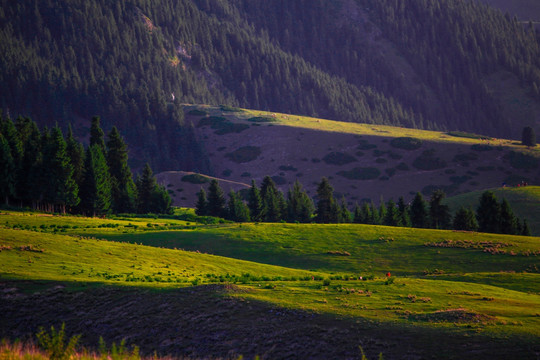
<point>463,67</point>
<point>363,162</point>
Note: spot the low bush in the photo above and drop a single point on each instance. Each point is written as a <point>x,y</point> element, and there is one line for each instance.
<point>360,173</point>
<point>262,119</point>
<point>465,157</point>
<point>338,158</point>
<point>287,168</point>
<point>244,154</point>
<point>364,145</point>
<point>197,112</point>
<point>406,143</point>
<point>279,180</point>
<point>402,166</point>
<point>428,161</point>
<point>195,179</point>
<point>520,160</point>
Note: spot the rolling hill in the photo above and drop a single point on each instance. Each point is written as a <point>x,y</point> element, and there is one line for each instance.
<point>363,162</point>
<point>469,294</point>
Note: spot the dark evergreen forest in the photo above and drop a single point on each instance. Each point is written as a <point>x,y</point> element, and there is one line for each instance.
<point>414,63</point>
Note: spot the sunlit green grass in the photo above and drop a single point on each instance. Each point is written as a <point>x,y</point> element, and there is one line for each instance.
<point>426,281</point>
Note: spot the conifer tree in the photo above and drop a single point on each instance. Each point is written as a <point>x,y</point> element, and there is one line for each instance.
<point>419,213</point>
<point>392,216</point>
<point>374,212</point>
<point>508,222</point>
<point>488,213</point>
<point>201,207</point>
<point>299,205</point>
<point>465,220</point>
<point>381,212</point>
<point>237,210</point>
<point>357,214</point>
<point>96,190</point>
<point>528,137</point>
<point>255,203</point>
<point>272,206</point>
<point>404,217</point>
<point>7,171</point>
<point>75,152</point>
<point>61,191</point>
<point>327,210</point>
<point>96,133</point>
<point>13,160</point>
<point>525,231</point>
<point>216,200</point>
<point>30,138</point>
<point>439,213</point>
<point>344,213</point>
<point>122,185</point>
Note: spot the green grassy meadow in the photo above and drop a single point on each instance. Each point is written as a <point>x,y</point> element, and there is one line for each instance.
<point>485,283</point>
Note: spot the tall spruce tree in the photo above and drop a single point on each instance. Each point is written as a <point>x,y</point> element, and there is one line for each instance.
<point>216,200</point>
<point>272,207</point>
<point>122,186</point>
<point>488,213</point>
<point>237,210</point>
<point>97,136</point>
<point>404,216</point>
<point>528,137</point>
<point>255,203</point>
<point>392,216</point>
<point>439,213</point>
<point>464,219</point>
<point>327,209</point>
<point>344,215</point>
<point>7,171</point>
<point>201,207</point>
<point>96,190</point>
<point>508,223</point>
<point>30,138</point>
<point>419,213</point>
<point>299,205</point>
<point>61,189</point>
<point>75,152</point>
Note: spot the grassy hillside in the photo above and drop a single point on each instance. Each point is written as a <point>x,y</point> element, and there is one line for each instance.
<point>445,284</point>
<point>363,162</point>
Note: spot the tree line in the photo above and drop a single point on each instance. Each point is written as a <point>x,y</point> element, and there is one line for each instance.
<point>268,204</point>
<point>48,171</point>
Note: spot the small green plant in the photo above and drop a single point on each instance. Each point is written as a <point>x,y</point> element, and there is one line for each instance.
<point>54,343</point>
<point>119,352</point>
<point>338,158</point>
<point>326,282</point>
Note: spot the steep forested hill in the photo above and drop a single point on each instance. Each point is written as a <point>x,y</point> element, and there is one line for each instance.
<point>450,64</point>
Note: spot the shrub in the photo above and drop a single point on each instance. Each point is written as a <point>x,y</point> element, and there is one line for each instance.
<point>403,167</point>
<point>197,112</point>
<point>428,161</point>
<point>338,158</point>
<point>406,143</point>
<point>359,173</point>
<point>364,145</point>
<point>381,161</point>
<point>228,108</point>
<point>54,343</point>
<point>195,179</point>
<point>326,282</point>
<point>245,174</point>
<point>227,172</point>
<point>244,154</point>
<point>460,179</point>
<point>520,160</point>
<point>467,135</point>
<point>262,119</point>
<point>288,168</point>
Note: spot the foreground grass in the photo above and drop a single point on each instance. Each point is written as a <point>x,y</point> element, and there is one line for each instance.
<point>465,283</point>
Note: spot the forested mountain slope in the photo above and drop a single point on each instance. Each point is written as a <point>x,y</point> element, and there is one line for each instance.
<point>449,64</point>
